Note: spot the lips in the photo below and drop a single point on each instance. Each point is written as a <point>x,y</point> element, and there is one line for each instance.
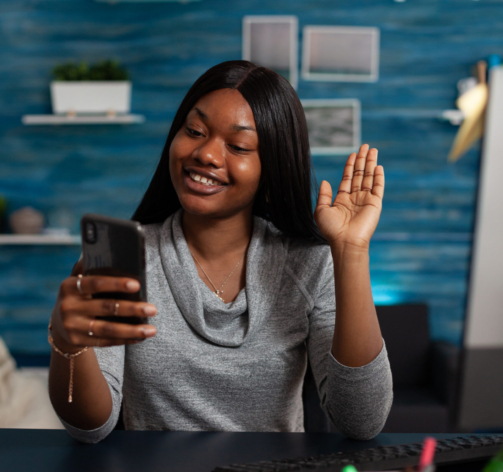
<point>207,174</point>
<point>203,180</point>
<point>201,187</point>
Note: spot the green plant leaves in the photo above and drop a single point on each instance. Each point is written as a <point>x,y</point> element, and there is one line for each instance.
<point>104,70</point>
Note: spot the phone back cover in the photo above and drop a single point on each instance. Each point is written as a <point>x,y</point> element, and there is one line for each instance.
<point>118,251</point>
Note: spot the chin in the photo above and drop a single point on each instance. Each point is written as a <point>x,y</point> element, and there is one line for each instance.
<point>194,206</point>
<point>209,210</point>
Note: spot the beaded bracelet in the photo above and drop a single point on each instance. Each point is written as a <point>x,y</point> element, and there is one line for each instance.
<point>71,357</point>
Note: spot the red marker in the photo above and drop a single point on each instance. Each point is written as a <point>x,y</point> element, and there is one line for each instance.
<point>427,454</point>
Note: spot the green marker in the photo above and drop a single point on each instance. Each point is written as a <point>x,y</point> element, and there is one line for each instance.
<point>495,464</point>
<point>349,468</point>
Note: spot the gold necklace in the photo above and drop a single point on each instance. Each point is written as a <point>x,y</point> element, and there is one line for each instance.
<point>218,291</point>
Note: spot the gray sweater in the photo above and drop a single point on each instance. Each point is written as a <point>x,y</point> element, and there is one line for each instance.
<point>240,366</point>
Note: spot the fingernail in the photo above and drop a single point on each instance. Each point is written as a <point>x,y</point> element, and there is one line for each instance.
<point>149,310</point>
<point>133,286</point>
<point>148,331</point>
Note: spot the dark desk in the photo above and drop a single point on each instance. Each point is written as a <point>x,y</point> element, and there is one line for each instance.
<point>145,451</point>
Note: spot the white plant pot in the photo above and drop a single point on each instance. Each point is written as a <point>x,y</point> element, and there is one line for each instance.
<point>91,96</point>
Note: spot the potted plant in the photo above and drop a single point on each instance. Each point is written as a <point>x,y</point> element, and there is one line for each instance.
<point>100,88</point>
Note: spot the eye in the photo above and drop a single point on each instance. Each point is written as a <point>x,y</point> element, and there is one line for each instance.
<point>238,149</point>
<point>193,132</point>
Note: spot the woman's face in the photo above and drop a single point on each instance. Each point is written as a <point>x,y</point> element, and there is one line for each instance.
<point>214,160</point>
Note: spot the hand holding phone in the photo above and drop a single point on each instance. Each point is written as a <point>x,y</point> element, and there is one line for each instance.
<point>114,247</point>
<point>106,293</point>
<point>77,311</point>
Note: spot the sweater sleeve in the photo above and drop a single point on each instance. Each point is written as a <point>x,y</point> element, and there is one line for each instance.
<point>356,399</point>
<point>111,361</point>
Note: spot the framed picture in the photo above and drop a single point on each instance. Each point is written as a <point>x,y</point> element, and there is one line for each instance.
<point>272,42</point>
<point>336,53</point>
<point>334,126</point>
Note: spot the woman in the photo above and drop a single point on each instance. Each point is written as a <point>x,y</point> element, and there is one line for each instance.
<point>242,280</point>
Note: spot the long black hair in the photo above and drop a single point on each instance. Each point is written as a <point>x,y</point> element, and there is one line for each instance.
<point>287,178</point>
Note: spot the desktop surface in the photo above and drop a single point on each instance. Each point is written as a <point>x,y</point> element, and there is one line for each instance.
<point>166,451</point>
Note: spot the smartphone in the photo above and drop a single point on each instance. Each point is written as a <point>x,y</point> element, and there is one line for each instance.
<point>115,247</point>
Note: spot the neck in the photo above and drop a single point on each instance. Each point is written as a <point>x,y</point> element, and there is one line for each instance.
<point>217,238</point>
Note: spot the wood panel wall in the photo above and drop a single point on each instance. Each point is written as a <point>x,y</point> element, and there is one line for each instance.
<point>420,252</point>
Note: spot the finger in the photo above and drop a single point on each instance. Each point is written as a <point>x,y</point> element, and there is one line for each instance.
<point>90,284</point>
<point>347,175</point>
<point>359,168</point>
<point>81,332</point>
<point>378,187</point>
<point>368,178</point>
<point>95,341</point>
<point>325,195</point>
<point>107,307</point>
<point>102,329</point>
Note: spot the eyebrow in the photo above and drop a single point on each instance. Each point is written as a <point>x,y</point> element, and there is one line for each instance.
<point>236,128</point>
<point>242,128</point>
<point>201,114</point>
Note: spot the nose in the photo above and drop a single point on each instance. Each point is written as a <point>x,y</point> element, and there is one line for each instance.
<point>210,152</point>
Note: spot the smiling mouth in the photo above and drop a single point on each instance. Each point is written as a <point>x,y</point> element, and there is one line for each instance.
<point>200,179</point>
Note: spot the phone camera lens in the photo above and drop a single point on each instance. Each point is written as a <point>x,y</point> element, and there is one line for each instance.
<point>90,233</point>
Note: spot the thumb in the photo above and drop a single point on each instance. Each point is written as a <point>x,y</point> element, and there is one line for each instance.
<point>325,194</point>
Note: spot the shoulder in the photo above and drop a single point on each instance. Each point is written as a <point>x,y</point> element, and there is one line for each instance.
<point>152,232</point>
<point>309,263</point>
<point>153,239</point>
<point>306,254</point>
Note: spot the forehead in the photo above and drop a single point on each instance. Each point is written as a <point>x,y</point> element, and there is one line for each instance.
<point>225,105</point>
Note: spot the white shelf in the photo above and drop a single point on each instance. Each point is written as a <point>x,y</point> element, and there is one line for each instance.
<point>455,117</point>
<point>39,239</point>
<point>82,119</point>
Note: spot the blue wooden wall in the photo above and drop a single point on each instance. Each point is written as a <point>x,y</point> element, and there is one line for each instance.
<point>420,252</point>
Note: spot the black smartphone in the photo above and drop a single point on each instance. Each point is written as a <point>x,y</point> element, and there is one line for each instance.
<point>115,247</point>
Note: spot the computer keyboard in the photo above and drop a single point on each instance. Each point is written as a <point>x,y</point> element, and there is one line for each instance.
<point>448,451</point>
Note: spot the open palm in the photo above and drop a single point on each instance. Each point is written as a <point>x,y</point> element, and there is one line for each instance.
<point>353,216</point>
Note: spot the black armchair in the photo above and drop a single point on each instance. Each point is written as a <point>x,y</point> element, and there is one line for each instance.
<point>424,371</point>
<point>424,375</point>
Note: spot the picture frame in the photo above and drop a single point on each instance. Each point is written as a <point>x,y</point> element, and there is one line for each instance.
<point>340,53</point>
<point>334,125</point>
<point>272,41</point>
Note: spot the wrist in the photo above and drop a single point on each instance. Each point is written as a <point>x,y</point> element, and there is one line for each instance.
<point>349,252</point>
<point>68,354</point>
<point>59,343</point>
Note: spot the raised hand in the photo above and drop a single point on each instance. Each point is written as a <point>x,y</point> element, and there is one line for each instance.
<point>350,221</point>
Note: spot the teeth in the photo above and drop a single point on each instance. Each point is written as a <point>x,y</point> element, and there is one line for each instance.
<point>203,180</point>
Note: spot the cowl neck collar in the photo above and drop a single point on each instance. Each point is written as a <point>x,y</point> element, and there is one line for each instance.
<point>224,324</point>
